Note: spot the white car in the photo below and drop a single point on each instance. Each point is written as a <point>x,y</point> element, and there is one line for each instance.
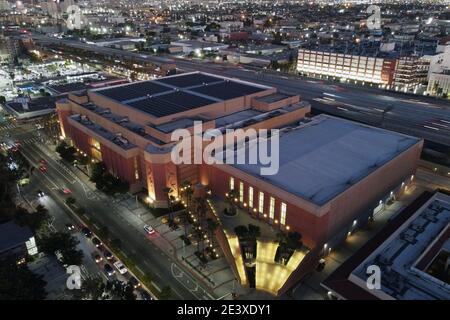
<point>120,267</point>
<point>149,229</point>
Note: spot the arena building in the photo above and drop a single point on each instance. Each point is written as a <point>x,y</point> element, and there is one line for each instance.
<point>333,174</point>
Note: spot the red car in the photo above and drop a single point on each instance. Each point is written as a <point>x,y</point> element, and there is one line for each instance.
<point>66,191</point>
<point>42,161</point>
<point>43,169</point>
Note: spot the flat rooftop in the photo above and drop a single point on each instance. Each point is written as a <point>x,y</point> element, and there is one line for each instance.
<point>179,93</point>
<point>12,235</point>
<point>37,104</point>
<point>322,158</point>
<point>274,97</point>
<point>408,251</point>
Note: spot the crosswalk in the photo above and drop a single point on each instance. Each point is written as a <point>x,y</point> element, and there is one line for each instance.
<point>32,140</point>
<point>7,126</point>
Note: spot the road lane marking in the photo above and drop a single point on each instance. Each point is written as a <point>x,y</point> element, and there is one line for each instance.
<point>156,287</point>
<point>140,270</point>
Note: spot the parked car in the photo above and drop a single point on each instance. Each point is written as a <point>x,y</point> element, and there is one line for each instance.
<point>96,242</point>
<point>40,193</point>
<point>66,191</point>
<point>120,266</point>
<point>149,229</point>
<point>70,226</point>
<point>109,270</point>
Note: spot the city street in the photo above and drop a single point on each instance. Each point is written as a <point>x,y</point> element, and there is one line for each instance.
<point>134,242</point>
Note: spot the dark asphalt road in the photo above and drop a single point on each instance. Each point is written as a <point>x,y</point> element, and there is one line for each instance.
<point>135,243</point>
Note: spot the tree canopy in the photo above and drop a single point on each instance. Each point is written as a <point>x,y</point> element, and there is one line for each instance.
<point>17,282</point>
<point>64,243</point>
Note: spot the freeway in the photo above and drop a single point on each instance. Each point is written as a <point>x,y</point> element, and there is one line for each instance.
<point>89,47</point>
<point>148,255</point>
<point>420,116</point>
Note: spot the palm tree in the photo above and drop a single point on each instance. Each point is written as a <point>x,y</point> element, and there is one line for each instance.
<point>233,197</point>
<point>185,216</point>
<point>254,232</point>
<point>212,226</point>
<point>167,191</point>
<point>186,191</point>
<point>201,214</point>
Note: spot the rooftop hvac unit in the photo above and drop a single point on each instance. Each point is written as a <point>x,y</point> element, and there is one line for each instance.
<point>121,139</point>
<point>24,102</point>
<point>125,119</point>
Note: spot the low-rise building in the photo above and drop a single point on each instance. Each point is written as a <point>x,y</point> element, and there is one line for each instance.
<point>16,242</point>
<point>370,69</point>
<point>196,46</point>
<point>407,260</point>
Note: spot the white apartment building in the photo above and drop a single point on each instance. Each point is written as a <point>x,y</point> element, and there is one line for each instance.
<point>439,74</point>
<point>346,66</point>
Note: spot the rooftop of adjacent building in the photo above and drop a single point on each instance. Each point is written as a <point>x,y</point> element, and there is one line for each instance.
<point>320,159</point>
<point>12,235</point>
<point>400,255</point>
<point>411,251</point>
<point>372,49</point>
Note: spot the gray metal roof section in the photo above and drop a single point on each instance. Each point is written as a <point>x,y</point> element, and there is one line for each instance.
<point>321,159</point>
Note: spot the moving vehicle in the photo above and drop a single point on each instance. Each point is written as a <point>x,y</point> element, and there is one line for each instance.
<point>134,282</point>
<point>87,233</point>
<point>108,255</point>
<point>145,295</point>
<point>98,258</point>
<point>40,193</point>
<point>149,229</point>
<point>96,242</point>
<point>70,226</point>
<point>109,270</point>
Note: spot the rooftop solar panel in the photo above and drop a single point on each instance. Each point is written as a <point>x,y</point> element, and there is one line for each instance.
<point>189,80</point>
<point>227,90</point>
<point>134,90</point>
<point>171,103</point>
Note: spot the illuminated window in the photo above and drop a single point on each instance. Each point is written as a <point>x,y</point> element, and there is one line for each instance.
<point>96,149</point>
<point>136,170</point>
<point>272,208</point>
<point>31,246</point>
<point>241,191</point>
<point>250,197</point>
<point>283,213</point>
<point>261,202</point>
<point>231,183</point>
